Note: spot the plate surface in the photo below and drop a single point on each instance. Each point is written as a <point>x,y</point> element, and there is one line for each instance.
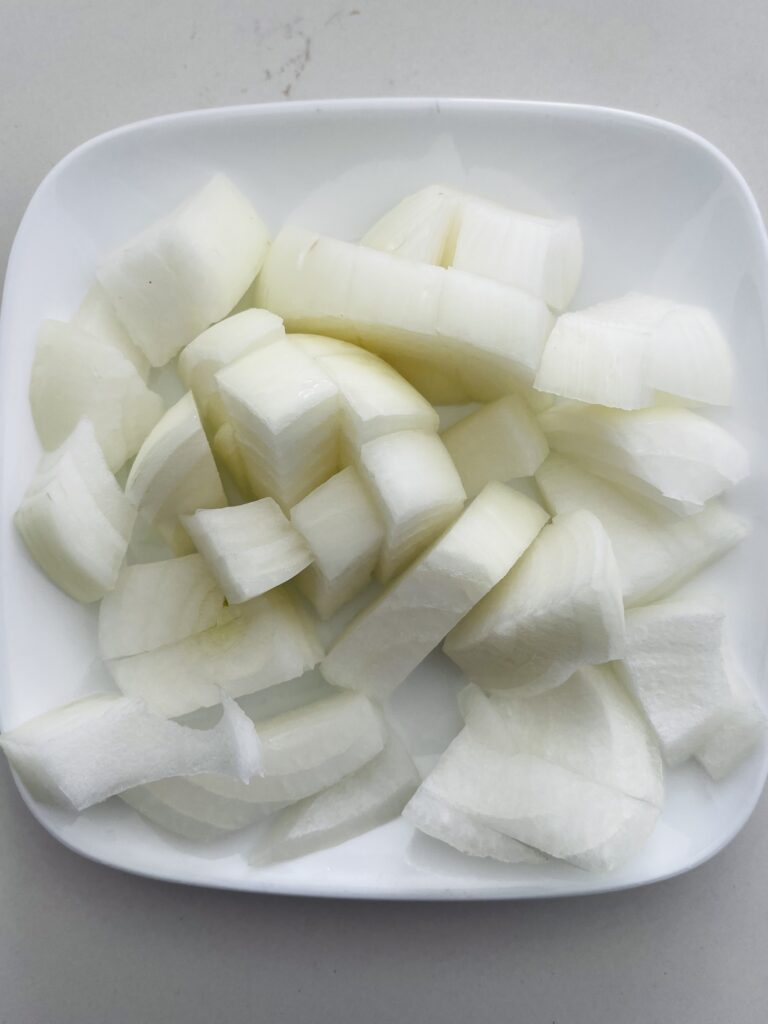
<point>661,211</point>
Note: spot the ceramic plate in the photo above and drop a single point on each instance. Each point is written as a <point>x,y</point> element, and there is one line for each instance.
<point>661,211</point>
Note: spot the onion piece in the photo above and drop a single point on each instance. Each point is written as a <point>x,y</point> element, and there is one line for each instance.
<point>249,548</point>
<point>741,728</point>
<point>266,641</point>
<point>97,316</point>
<point>307,749</point>
<point>670,455</point>
<point>186,271</point>
<point>486,331</point>
<point>374,399</point>
<point>417,492</point>
<point>84,752</point>
<point>217,347</point>
<point>440,385</point>
<point>340,524</point>
<point>433,816</point>
<point>229,457</point>
<point>419,228</point>
<point>370,797</point>
<point>559,608</point>
<point>622,353</point>
<point>158,603</point>
<point>589,725</point>
<point>180,806</point>
<point>542,804</point>
<point>67,362</point>
<point>674,665</point>
<point>540,255</point>
<point>285,412</point>
<point>383,644</point>
<point>75,519</point>
<point>501,441</point>
<point>174,473</point>
<point>656,550</point>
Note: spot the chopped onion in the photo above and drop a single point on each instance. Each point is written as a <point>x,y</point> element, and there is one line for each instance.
<point>260,643</point>
<point>249,548</point>
<point>75,519</point>
<point>501,441</point>
<point>656,550</point>
<point>187,270</point>
<point>558,609</point>
<point>417,491</point>
<point>76,376</point>
<point>82,753</point>
<point>174,473</point>
<point>158,603</point>
<point>383,644</point>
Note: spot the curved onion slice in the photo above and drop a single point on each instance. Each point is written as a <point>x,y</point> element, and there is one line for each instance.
<point>383,644</point>
<point>258,644</point>
<point>622,352</point>
<point>82,753</point>
<point>542,804</point>
<point>573,772</point>
<point>75,519</point>
<point>433,816</point>
<point>419,228</point>
<point>174,473</point>
<point>158,603</point>
<point>589,725</point>
<point>307,749</point>
<point>417,491</point>
<point>249,548</point>
<point>340,524</point>
<point>656,550</point>
<point>180,806</point>
<point>370,797</point>
<point>187,270</point>
<point>217,347</point>
<point>285,411</point>
<point>440,385</point>
<point>374,399</point>
<point>76,376</point>
<point>486,330</point>
<point>668,454</point>
<point>501,441</point>
<point>540,255</point>
<point>97,316</point>
<point>558,609</point>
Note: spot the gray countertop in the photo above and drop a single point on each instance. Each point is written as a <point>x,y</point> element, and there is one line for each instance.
<point>81,944</point>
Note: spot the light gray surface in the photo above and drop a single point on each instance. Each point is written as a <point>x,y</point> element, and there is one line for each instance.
<point>80,944</point>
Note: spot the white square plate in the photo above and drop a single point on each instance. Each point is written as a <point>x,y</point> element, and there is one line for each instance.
<point>661,211</point>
